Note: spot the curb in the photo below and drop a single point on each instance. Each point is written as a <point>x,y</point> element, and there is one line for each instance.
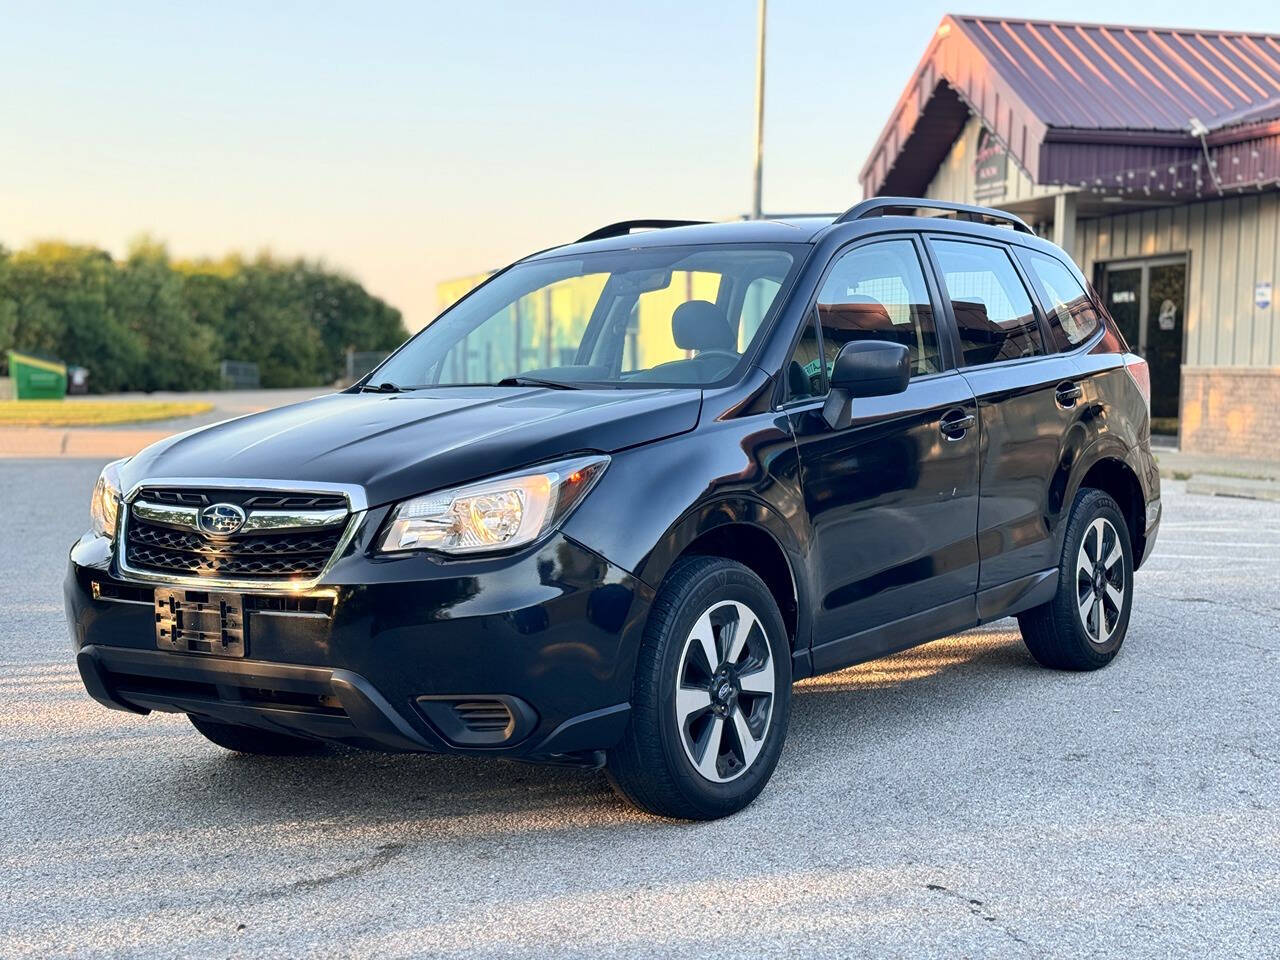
<point>1211,486</point>
<point>96,444</point>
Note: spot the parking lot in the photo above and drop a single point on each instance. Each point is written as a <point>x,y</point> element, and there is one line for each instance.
<point>956,800</point>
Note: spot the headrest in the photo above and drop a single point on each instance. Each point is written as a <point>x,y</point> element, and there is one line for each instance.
<point>699,325</point>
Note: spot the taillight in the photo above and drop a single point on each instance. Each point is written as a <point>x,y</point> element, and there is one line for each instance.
<point>1140,374</point>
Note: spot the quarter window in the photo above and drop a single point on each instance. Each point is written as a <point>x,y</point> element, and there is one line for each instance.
<point>1072,317</point>
<point>991,306</point>
<point>877,292</point>
<point>804,371</point>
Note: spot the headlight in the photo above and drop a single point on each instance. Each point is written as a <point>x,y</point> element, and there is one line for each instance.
<point>500,514</point>
<point>105,506</point>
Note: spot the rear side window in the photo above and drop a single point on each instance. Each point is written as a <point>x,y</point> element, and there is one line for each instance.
<point>1072,318</point>
<point>992,309</point>
<point>877,292</point>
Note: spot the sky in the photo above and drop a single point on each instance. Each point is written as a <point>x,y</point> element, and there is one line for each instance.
<point>407,143</point>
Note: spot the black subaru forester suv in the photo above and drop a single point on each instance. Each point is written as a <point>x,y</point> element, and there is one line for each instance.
<point>609,506</point>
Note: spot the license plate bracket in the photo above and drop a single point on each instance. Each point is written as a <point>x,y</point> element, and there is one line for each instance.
<point>200,621</point>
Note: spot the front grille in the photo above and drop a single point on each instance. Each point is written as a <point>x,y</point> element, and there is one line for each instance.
<point>158,546</point>
<point>247,499</point>
<point>265,545</point>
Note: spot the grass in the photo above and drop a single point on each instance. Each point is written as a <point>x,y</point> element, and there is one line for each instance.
<point>91,413</point>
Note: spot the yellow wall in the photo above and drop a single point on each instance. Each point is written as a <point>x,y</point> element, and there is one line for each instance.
<point>449,292</point>
<point>568,304</point>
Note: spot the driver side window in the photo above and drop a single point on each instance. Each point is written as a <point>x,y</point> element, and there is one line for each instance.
<point>878,292</point>
<point>874,292</point>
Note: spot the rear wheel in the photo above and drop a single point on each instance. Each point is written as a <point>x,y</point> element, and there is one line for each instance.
<point>1085,623</point>
<point>712,695</point>
<point>232,736</point>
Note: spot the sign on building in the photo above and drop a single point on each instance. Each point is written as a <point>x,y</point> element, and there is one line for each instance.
<point>990,167</point>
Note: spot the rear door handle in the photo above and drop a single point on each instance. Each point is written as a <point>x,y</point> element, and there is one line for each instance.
<point>956,423</point>
<point>1068,393</point>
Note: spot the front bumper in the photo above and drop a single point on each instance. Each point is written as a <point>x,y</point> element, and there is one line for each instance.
<point>381,653</point>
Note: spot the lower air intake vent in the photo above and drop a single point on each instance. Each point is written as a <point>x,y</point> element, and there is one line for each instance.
<point>484,716</point>
<point>482,721</point>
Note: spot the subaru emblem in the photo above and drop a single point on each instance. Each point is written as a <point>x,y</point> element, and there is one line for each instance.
<point>221,519</point>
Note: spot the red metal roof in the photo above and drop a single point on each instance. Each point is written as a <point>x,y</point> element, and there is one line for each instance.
<point>1047,89</point>
<point>1089,76</point>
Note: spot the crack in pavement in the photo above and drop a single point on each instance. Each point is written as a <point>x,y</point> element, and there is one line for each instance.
<point>979,909</point>
<point>380,857</point>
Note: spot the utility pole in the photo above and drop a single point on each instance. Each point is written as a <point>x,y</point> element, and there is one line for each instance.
<point>756,209</point>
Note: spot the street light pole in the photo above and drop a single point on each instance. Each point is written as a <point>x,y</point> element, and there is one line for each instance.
<point>756,209</point>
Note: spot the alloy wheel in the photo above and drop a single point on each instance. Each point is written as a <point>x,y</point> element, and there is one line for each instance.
<point>1100,580</point>
<point>724,691</point>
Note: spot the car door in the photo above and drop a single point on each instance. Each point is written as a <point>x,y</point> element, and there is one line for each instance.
<point>891,499</point>
<point>1027,397</point>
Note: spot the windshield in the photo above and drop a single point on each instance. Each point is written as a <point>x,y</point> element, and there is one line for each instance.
<point>654,317</point>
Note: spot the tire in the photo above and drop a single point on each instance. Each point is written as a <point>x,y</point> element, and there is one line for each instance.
<point>1083,626</point>
<point>231,736</point>
<point>664,764</point>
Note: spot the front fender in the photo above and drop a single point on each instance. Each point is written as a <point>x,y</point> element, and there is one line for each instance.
<point>656,500</point>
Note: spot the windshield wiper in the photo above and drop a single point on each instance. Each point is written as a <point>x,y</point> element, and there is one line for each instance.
<point>519,381</point>
<point>387,387</point>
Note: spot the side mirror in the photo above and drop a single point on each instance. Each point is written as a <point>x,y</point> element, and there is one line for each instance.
<point>865,368</point>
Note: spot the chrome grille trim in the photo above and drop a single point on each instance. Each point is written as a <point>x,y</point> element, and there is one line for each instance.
<point>355,496</point>
<point>279,521</point>
<point>274,521</point>
<point>164,513</point>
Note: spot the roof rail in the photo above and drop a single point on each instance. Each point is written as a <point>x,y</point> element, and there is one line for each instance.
<point>880,206</point>
<point>623,227</point>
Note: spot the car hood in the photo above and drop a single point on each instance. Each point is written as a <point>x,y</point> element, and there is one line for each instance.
<point>399,445</point>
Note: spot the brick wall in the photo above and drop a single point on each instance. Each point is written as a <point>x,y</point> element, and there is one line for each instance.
<point>1231,412</point>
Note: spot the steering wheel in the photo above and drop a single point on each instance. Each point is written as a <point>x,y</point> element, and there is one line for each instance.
<point>730,358</point>
<point>730,355</point>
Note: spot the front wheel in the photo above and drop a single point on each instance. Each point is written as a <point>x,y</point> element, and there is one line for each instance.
<point>1082,627</point>
<point>712,695</point>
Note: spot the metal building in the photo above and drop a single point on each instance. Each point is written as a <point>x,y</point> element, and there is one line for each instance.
<point>1153,156</point>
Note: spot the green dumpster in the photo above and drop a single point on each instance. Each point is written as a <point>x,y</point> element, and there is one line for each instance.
<point>37,378</point>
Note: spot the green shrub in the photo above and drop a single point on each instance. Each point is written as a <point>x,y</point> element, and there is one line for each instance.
<point>149,323</point>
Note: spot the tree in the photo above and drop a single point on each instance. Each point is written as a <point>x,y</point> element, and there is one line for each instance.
<point>180,352</point>
<point>149,323</point>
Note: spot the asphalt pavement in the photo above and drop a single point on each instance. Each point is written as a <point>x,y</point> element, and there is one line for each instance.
<point>955,800</point>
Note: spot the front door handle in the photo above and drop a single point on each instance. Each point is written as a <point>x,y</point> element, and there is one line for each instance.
<point>956,423</point>
<point>1067,394</point>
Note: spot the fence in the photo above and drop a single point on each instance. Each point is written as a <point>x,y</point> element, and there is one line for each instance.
<point>360,362</point>
<point>238,375</point>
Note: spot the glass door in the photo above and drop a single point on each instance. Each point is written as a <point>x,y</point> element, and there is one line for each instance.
<point>1166,303</point>
<point>1148,300</point>
<point>1124,301</point>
